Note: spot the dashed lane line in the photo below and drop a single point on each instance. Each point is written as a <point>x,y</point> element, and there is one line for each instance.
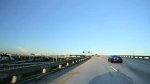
<point>114,68</point>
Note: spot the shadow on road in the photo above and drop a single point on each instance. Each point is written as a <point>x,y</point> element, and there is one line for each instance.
<point>111,78</point>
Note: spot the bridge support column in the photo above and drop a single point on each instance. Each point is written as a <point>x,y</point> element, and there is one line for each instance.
<point>44,71</point>
<point>60,66</point>
<point>76,61</point>
<point>67,64</point>
<point>72,62</point>
<point>14,79</point>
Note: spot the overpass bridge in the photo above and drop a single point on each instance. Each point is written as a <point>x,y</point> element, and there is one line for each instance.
<point>83,69</point>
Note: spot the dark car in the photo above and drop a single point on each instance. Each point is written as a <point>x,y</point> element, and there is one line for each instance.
<point>115,59</point>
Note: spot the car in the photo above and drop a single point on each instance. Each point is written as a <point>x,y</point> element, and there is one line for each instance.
<point>115,59</point>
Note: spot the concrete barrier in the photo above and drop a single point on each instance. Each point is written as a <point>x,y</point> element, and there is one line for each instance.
<point>136,57</point>
<point>146,57</point>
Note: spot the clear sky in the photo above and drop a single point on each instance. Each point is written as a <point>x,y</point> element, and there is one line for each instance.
<point>73,26</point>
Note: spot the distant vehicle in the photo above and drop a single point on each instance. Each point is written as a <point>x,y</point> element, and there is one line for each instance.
<point>115,59</point>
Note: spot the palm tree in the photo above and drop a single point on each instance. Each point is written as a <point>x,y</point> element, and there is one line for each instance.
<point>83,52</point>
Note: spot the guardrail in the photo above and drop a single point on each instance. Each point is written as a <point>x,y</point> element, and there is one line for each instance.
<point>4,67</point>
<point>23,74</point>
<point>135,57</point>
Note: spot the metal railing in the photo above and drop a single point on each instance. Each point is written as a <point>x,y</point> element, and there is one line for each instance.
<point>135,57</point>
<point>38,69</point>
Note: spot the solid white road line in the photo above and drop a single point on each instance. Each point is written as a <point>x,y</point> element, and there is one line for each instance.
<point>114,68</point>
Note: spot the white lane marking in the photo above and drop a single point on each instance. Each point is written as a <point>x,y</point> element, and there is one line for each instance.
<point>114,68</point>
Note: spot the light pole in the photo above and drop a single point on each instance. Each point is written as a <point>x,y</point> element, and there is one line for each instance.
<point>133,53</point>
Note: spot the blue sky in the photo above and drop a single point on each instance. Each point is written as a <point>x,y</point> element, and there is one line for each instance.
<point>73,26</point>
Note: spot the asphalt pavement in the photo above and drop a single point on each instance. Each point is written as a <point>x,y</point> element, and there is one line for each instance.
<point>98,70</point>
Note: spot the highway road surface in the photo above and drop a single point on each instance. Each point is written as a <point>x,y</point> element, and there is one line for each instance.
<point>98,70</point>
